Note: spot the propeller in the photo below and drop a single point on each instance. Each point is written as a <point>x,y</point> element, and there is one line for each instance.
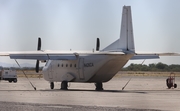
<point>37,66</point>
<point>39,44</point>
<point>38,48</point>
<point>97,44</point>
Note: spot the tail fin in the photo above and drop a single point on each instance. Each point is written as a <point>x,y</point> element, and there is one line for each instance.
<point>126,41</point>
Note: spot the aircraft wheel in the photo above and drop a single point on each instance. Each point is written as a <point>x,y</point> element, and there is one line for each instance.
<point>175,85</point>
<point>52,85</point>
<point>10,80</point>
<point>15,80</point>
<point>99,86</point>
<point>64,85</point>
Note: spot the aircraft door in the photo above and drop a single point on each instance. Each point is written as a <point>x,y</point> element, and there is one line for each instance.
<point>81,68</point>
<point>50,71</point>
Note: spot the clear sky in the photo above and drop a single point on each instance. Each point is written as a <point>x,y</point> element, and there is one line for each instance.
<point>75,24</point>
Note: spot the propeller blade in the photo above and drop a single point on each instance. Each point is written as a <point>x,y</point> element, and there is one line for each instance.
<point>37,66</point>
<point>39,44</point>
<point>38,48</point>
<point>97,44</point>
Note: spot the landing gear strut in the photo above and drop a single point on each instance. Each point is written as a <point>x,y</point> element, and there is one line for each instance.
<point>99,86</point>
<point>64,85</point>
<point>52,85</point>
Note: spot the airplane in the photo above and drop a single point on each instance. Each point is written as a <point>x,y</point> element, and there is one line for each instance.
<point>89,67</point>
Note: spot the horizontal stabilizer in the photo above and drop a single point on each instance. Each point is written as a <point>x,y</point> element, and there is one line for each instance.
<point>152,55</point>
<point>136,57</point>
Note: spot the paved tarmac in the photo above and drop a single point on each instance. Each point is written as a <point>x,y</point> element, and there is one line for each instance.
<point>141,94</point>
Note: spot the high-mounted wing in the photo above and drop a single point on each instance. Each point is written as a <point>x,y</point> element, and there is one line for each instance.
<point>52,55</point>
<point>40,55</point>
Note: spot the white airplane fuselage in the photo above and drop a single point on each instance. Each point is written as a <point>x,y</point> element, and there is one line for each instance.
<point>87,68</point>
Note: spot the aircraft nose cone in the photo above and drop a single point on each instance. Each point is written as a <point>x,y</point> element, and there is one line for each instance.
<point>45,73</point>
<point>44,70</point>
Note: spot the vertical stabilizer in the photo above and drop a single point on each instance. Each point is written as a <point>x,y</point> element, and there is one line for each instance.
<point>126,41</point>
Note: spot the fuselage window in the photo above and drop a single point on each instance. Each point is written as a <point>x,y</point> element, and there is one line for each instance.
<point>61,65</point>
<point>58,65</point>
<point>70,65</point>
<point>66,65</point>
<point>74,65</point>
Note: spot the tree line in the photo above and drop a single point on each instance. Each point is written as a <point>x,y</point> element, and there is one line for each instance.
<point>153,67</point>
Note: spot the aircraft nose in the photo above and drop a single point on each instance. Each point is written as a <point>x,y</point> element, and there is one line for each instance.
<point>45,73</point>
<point>44,70</point>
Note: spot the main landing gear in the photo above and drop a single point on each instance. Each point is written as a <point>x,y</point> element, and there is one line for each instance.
<point>64,85</point>
<point>99,86</point>
<point>52,85</point>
